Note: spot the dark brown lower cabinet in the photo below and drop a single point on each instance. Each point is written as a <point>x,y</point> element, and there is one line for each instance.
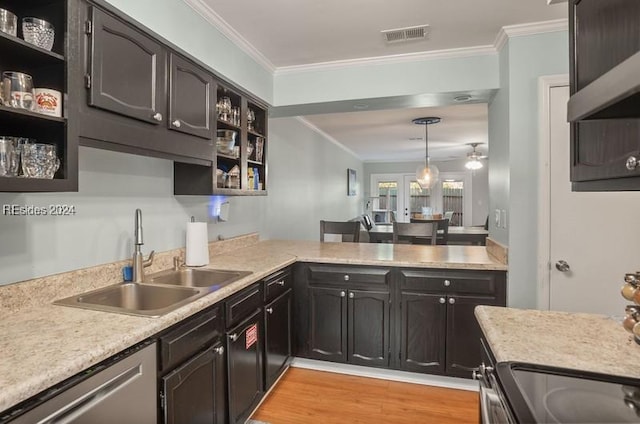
<point>422,334</point>
<point>349,325</point>
<point>244,367</point>
<point>277,338</point>
<point>439,333</point>
<point>418,320</point>
<point>368,326</point>
<point>195,392</point>
<point>328,324</point>
<point>192,370</point>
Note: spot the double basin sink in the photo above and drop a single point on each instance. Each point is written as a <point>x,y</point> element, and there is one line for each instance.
<point>159,294</point>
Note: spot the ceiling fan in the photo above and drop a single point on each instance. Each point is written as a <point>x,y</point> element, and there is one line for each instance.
<point>473,158</point>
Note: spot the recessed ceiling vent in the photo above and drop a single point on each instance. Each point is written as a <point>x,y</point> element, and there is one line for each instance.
<point>405,34</point>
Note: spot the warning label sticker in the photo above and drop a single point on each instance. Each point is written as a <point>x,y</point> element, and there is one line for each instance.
<point>251,336</point>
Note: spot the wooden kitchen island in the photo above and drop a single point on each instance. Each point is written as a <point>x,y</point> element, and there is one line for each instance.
<point>46,344</point>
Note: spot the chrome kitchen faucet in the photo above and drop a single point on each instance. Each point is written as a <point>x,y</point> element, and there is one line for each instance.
<point>139,263</point>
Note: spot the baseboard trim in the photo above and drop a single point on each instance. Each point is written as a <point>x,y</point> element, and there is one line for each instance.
<point>384,374</point>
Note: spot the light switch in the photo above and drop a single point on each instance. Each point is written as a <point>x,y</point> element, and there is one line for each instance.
<point>497,218</point>
<point>503,218</point>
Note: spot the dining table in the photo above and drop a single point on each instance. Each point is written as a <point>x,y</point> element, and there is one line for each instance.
<point>381,233</point>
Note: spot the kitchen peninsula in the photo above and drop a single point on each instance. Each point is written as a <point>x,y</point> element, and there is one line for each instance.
<point>45,344</point>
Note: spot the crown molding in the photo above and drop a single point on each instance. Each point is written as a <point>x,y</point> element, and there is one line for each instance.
<point>312,127</point>
<point>204,10</point>
<point>509,31</point>
<point>506,32</point>
<point>386,60</point>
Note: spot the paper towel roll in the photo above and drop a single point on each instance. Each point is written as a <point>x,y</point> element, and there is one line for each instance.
<point>197,246</point>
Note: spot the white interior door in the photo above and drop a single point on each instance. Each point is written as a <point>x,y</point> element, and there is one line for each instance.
<point>386,197</point>
<point>593,233</point>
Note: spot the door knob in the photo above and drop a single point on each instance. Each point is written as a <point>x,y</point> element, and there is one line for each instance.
<point>442,300</point>
<point>343,294</point>
<point>176,123</point>
<point>158,117</point>
<point>219,350</point>
<point>351,295</point>
<point>269,310</point>
<point>452,300</point>
<point>563,266</point>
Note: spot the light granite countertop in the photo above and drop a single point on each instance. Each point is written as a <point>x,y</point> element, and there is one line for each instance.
<point>44,344</point>
<point>587,342</point>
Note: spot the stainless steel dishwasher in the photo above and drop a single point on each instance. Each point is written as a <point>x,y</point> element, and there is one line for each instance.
<point>123,392</point>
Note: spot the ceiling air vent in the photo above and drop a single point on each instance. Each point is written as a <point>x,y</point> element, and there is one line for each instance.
<point>405,34</point>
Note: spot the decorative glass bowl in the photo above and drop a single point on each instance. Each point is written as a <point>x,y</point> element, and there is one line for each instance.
<point>38,32</point>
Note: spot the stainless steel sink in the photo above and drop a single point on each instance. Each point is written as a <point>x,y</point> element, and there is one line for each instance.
<point>134,299</point>
<point>213,279</point>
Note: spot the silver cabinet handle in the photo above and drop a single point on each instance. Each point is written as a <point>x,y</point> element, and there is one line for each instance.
<point>234,337</point>
<point>346,277</point>
<point>442,300</point>
<point>219,350</point>
<point>280,283</point>
<point>158,116</point>
<point>632,163</point>
<point>351,295</point>
<point>452,300</point>
<point>563,266</point>
<point>176,123</point>
<point>342,294</point>
<point>447,283</point>
<point>269,310</point>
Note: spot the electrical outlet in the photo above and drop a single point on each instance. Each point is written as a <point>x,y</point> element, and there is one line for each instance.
<point>503,218</point>
<point>497,218</point>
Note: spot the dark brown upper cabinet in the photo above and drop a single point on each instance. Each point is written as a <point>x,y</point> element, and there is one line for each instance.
<point>127,72</point>
<point>604,108</point>
<point>191,98</point>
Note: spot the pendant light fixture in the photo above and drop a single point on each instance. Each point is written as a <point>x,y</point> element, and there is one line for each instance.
<point>473,158</point>
<point>427,175</point>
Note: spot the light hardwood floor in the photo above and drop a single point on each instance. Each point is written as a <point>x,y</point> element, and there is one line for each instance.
<point>307,397</point>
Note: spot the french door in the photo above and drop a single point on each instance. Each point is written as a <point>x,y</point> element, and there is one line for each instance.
<point>402,196</point>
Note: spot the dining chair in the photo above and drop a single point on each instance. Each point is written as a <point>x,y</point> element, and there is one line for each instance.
<point>349,230</point>
<point>443,228</point>
<point>448,215</point>
<point>366,220</point>
<point>415,232</point>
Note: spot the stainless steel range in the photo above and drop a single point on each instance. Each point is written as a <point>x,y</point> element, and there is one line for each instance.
<point>522,393</point>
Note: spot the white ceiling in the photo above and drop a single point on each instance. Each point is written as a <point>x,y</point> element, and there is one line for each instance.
<point>298,33</point>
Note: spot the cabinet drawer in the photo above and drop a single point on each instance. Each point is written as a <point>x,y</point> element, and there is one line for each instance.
<point>472,282</point>
<point>242,304</point>
<point>181,342</point>
<point>277,284</point>
<point>338,274</point>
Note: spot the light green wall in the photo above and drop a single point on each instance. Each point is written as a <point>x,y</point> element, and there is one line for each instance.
<point>499,148</point>
<point>307,182</point>
<point>387,80</point>
<point>529,57</point>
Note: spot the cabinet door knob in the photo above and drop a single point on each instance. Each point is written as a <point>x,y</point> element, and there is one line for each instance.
<point>176,123</point>
<point>219,350</point>
<point>269,310</point>
<point>158,116</point>
<point>343,294</point>
<point>442,300</point>
<point>280,283</point>
<point>234,337</point>
<point>452,300</point>
<point>632,163</point>
<point>351,295</point>
<point>447,283</point>
<point>346,277</point>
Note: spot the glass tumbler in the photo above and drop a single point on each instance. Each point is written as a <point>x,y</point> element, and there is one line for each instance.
<point>17,90</point>
<point>9,156</point>
<point>39,160</point>
<point>8,22</point>
<point>38,32</point>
